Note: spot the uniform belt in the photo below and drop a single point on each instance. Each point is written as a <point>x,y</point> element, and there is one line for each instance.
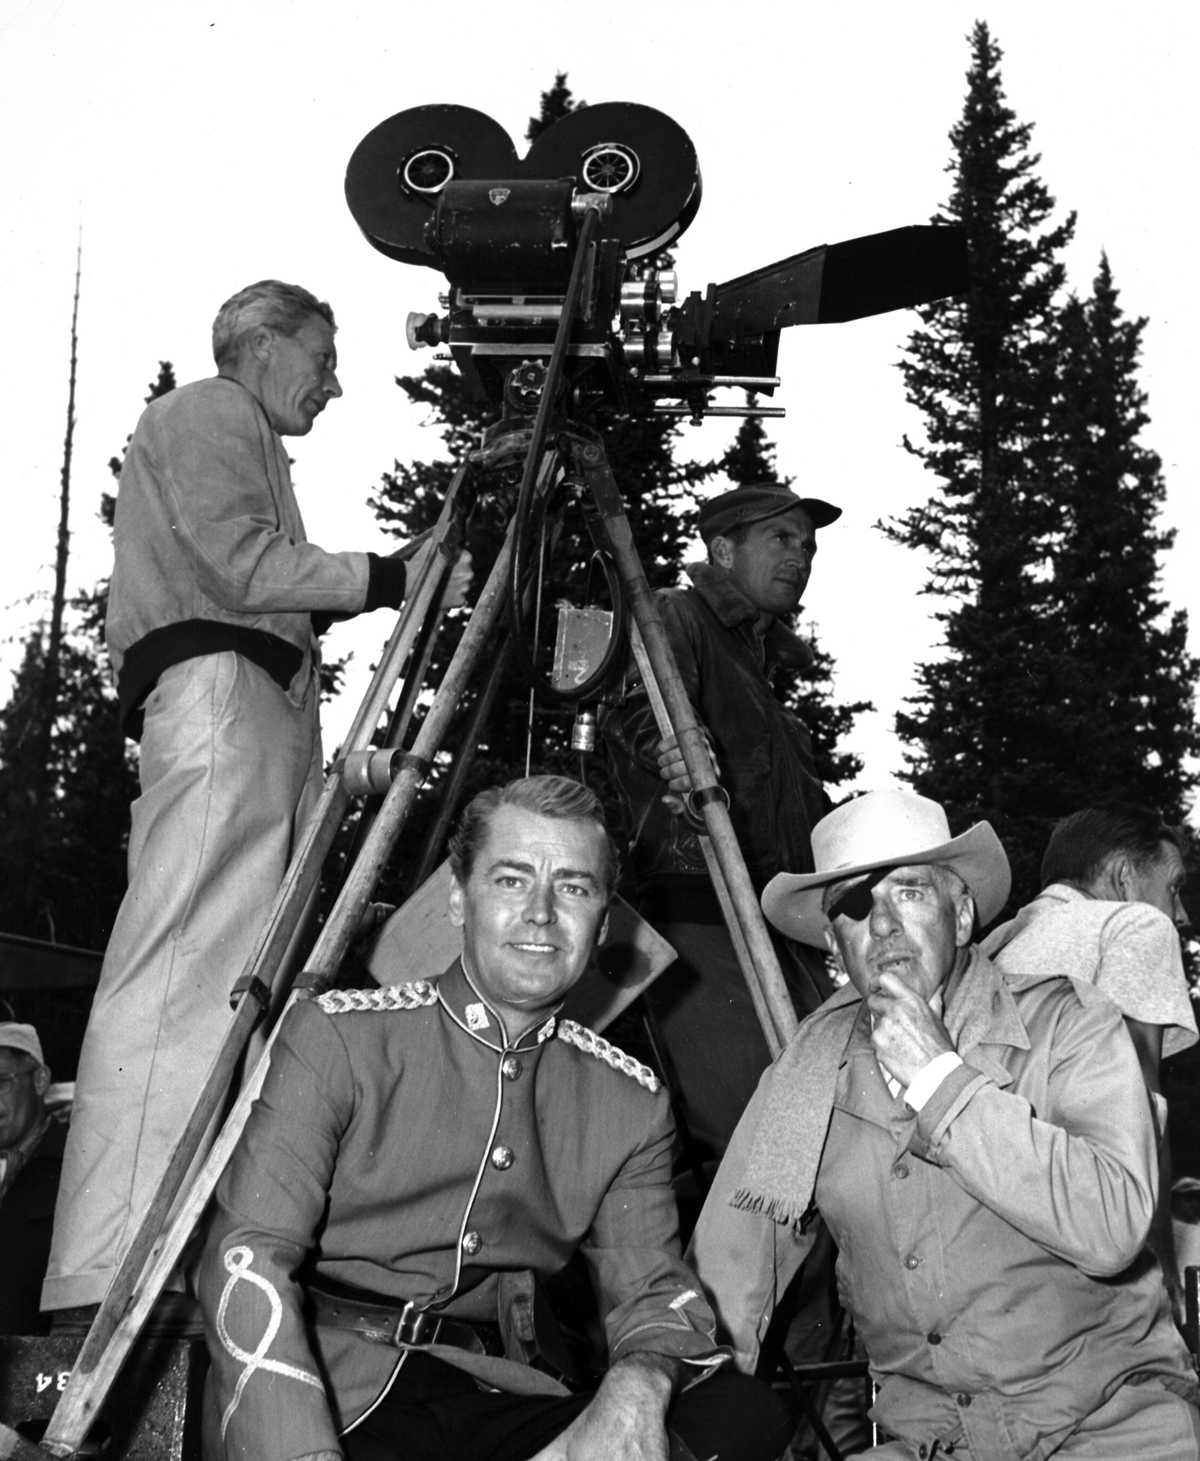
<point>402,1324</point>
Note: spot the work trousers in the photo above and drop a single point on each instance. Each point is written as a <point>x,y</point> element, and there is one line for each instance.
<point>434,1412</point>
<point>1139,1421</point>
<point>230,768</point>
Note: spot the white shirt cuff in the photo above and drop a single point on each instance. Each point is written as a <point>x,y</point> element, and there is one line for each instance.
<point>927,1080</point>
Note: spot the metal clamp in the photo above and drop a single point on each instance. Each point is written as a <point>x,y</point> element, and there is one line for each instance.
<point>371,773</point>
<point>252,986</point>
<point>694,803</point>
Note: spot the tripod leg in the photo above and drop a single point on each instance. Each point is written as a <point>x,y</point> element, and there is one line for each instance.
<point>452,794</point>
<point>763,971</point>
<point>82,1398</point>
<point>398,726</point>
<point>732,922</point>
<point>342,922</point>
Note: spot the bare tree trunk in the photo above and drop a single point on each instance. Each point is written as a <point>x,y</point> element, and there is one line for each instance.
<point>54,648</point>
<point>45,702</point>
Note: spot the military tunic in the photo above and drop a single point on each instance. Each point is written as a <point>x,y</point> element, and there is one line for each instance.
<point>416,1153</point>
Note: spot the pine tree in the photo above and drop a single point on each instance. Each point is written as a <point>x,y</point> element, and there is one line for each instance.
<point>63,875</point>
<point>1012,724</point>
<point>1127,714</point>
<point>62,866</point>
<point>981,370</point>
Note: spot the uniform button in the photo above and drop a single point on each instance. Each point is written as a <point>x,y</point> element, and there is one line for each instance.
<point>912,1261</point>
<point>511,1067</point>
<point>502,1158</point>
<point>922,1451</point>
<point>934,1338</point>
<point>901,1170</point>
<point>471,1243</point>
<point>963,1399</point>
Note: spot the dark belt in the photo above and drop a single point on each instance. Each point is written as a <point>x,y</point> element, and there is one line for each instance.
<point>401,1324</point>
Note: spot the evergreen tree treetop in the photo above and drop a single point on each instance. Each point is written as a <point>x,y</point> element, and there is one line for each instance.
<point>559,101</point>
<point>1064,680</point>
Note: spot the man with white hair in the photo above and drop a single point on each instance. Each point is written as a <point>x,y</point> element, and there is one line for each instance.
<point>216,600</point>
<point>981,1148</point>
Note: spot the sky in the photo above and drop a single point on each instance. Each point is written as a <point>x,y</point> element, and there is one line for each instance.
<point>203,146</point>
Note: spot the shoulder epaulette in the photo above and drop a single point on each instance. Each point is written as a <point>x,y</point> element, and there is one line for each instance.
<point>388,997</point>
<point>592,1044</point>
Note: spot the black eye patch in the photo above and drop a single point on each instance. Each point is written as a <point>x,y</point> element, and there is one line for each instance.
<point>856,902</point>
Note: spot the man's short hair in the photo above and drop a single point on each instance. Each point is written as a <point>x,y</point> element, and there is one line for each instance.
<point>1082,844</point>
<point>281,307</point>
<point>548,796</point>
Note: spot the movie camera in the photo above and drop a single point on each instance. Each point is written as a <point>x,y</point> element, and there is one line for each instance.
<point>442,186</point>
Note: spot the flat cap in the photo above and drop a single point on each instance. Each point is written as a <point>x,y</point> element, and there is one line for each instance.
<point>21,1037</point>
<point>754,504</point>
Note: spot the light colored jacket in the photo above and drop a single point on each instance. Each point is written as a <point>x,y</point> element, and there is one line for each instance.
<point>991,1247</point>
<point>208,527</point>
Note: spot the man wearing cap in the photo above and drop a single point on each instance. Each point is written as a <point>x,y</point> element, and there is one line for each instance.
<point>729,633</point>
<point>31,1148</point>
<point>980,1145</point>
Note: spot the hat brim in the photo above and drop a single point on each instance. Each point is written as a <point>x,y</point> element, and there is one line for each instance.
<point>792,901</point>
<point>822,513</point>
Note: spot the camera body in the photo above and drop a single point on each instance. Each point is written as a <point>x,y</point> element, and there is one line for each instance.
<point>442,186</point>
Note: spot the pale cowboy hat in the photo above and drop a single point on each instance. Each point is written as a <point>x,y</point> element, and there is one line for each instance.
<point>886,829</point>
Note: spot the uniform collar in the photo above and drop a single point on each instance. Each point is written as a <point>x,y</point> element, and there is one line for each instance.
<point>478,1019</point>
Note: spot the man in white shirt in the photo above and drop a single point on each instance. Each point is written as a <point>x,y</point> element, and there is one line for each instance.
<point>1110,912</point>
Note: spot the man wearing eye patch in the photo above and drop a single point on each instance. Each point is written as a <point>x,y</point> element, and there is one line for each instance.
<point>981,1148</point>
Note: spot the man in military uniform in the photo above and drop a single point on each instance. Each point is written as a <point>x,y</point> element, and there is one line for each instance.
<point>422,1158</point>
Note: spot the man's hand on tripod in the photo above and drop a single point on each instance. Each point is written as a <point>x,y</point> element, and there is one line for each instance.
<point>673,769</point>
<point>459,584</point>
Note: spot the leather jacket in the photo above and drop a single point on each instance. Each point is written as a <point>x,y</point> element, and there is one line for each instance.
<point>764,752</point>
